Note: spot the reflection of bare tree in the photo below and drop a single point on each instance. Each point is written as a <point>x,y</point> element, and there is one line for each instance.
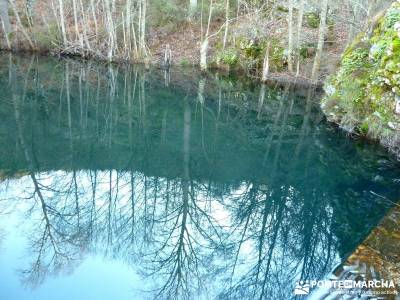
<point>187,235</point>
<point>55,248</point>
<point>146,182</point>
<point>284,231</point>
<point>275,244</point>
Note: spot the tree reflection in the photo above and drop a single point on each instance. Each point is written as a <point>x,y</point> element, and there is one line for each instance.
<point>56,246</point>
<point>206,198</point>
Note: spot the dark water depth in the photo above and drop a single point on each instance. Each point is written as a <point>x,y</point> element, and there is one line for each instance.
<point>121,183</point>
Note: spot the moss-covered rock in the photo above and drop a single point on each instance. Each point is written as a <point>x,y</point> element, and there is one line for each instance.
<point>363,94</point>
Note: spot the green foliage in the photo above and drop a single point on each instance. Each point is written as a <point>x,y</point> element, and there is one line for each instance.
<point>167,14</point>
<point>368,80</point>
<point>277,56</point>
<point>283,9</point>
<point>25,21</point>
<point>184,62</point>
<point>228,57</point>
<point>312,19</point>
<point>355,60</point>
<point>249,53</point>
<point>392,17</point>
<point>252,48</point>
<point>378,50</point>
<point>364,128</point>
<point>48,39</point>
<point>307,50</point>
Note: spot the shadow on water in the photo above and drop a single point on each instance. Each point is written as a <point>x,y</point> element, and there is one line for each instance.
<point>209,187</point>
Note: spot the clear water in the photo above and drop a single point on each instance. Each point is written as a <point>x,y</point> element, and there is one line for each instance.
<point>121,183</point>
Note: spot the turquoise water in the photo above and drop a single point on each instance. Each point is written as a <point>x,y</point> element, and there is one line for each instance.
<point>122,183</point>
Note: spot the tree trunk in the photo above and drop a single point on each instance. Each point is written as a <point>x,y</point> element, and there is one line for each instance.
<point>4,18</point>
<point>62,22</point>
<point>397,108</point>
<point>110,30</point>
<point>25,34</point>
<point>76,24</point>
<point>290,39</point>
<point>167,56</point>
<point>85,25</point>
<point>298,36</point>
<point>265,70</point>
<point>142,38</point>
<point>205,42</point>
<point>203,54</point>
<point>30,9</point>
<point>226,23</point>
<point>94,17</point>
<point>128,27</point>
<point>321,37</point>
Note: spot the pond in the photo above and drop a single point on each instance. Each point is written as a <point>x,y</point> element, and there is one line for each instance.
<point>118,182</point>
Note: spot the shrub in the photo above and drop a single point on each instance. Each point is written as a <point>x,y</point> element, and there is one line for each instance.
<point>392,17</point>
<point>312,19</point>
<point>228,57</point>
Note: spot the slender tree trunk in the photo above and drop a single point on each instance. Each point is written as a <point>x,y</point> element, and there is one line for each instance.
<point>85,25</point>
<point>128,27</point>
<point>226,23</point>
<point>5,35</point>
<point>167,56</point>
<point>30,12</point>
<point>93,11</point>
<point>62,22</point>
<point>203,54</point>
<point>321,37</point>
<point>53,8</point>
<point>397,108</point>
<point>5,22</point>
<point>205,42</point>
<point>290,39</point>
<point>20,24</point>
<point>110,30</point>
<point>298,36</point>
<point>142,38</point>
<point>135,42</point>
<point>76,23</point>
<point>4,16</point>
<point>265,70</point>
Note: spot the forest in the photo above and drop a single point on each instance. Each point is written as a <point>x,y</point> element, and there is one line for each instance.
<point>199,149</point>
<point>295,37</point>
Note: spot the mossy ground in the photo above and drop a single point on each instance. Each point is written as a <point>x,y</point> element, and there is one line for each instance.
<point>361,96</point>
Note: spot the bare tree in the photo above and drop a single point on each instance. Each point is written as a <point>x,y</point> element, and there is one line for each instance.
<point>226,23</point>
<point>290,37</point>
<point>206,40</point>
<point>321,39</point>
<point>62,22</point>
<point>5,19</point>
<point>298,35</point>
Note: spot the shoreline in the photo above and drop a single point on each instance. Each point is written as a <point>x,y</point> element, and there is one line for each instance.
<point>280,78</point>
